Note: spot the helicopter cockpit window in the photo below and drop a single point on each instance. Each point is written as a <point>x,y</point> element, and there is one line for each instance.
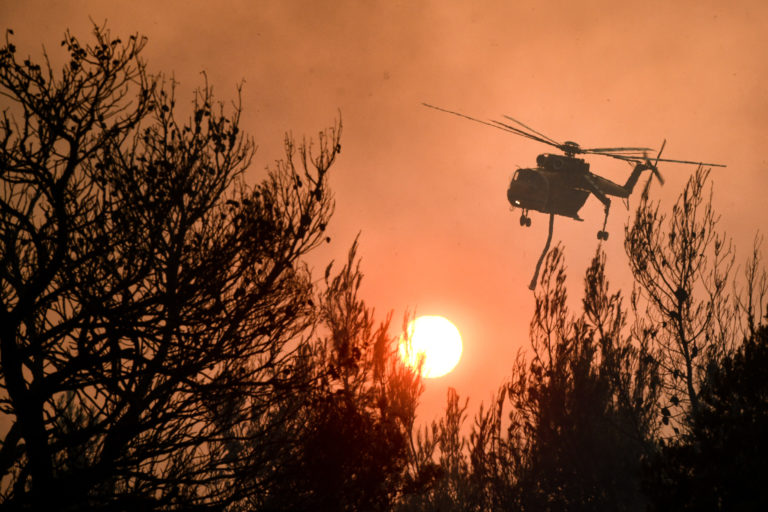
<point>524,175</point>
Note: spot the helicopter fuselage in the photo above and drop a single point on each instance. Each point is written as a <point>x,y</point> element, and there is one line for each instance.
<point>555,186</point>
<point>561,183</point>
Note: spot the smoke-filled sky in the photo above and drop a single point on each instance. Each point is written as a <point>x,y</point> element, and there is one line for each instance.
<point>426,190</point>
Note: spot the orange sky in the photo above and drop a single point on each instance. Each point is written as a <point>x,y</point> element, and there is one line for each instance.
<point>427,190</point>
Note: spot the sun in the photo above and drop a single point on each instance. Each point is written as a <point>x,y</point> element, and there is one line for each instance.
<point>433,340</point>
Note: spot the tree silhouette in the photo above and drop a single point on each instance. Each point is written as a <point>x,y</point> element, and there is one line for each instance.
<point>719,463</point>
<point>572,427</point>
<point>354,422</point>
<point>164,345</point>
<point>587,406</point>
<point>658,406</point>
<point>440,474</point>
<point>157,343</point>
<point>681,265</point>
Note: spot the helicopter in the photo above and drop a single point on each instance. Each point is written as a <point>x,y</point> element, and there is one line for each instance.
<point>561,183</point>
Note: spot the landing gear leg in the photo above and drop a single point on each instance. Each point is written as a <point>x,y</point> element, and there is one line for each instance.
<point>603,234</point>
<point>599,194</point>
<point>525,220</point>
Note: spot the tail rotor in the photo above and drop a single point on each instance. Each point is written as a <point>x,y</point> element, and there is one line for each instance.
<point>655,170</point>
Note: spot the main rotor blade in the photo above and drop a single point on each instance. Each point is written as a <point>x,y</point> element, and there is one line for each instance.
<point>609,152</point>
<point>551,140</point>
<point>612,150</point>
<point>671,160</point>
<point>626,158</point>
<point>689,162</point>
<point>494,124</point>
<point>523,133</point>
<point>462,115</point>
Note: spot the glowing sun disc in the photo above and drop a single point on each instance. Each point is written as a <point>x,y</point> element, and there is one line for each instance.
<point>433,340</point>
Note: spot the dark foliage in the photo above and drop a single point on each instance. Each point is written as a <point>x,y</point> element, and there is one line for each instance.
<point>164,346</point>
<point>653,407</point>
<point>720,463</point>
<point>571,428</point>
<point>158,327</point>
<point>355,422</point>
<point>682,266</point>
<point>592,399</point>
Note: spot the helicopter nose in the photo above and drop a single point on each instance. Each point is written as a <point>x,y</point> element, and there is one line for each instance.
<point>512,197</point>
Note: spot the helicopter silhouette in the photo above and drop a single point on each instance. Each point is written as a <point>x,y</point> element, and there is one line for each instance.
<point>561,183</point>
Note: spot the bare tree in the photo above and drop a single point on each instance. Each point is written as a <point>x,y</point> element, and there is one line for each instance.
<point>752,301</point>
<point>681,266</point>
<point>708,334</point>
<point>153,306</point>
